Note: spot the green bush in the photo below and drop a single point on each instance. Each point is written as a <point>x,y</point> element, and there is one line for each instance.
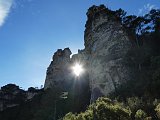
<point>102,109</point>
<point>157,109</point>
<point>140,115</point>
<point>70,116</point>
<point>134,103</point>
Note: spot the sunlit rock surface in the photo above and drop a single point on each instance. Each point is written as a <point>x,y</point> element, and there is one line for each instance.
<point>59,70</point>
<point>103,58</point>
<point>107,45</point>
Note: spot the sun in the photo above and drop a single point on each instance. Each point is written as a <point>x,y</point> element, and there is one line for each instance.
<point>77,69</point>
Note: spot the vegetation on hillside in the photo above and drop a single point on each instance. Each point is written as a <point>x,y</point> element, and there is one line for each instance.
<point>106,109</point>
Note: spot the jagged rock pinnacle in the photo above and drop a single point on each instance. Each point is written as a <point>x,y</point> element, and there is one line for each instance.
<point>106,46</point>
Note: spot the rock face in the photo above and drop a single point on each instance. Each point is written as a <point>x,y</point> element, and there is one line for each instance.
<point>59,70</point>
<point>107,45</point>
<point>11,95</point>
<point>103,58</point>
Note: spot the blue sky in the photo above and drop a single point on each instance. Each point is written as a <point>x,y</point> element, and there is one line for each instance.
<point>32,30</point>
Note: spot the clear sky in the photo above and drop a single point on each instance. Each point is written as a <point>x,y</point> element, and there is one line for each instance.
<point>32,30</point>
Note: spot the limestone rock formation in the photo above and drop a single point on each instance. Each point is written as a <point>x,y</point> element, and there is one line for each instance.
<point>59,70</point>
<point>11,95</point>
<point>103,58</point>
<point>107,45</point>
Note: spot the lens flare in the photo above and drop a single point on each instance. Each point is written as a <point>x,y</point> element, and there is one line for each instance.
<point>77,69</point>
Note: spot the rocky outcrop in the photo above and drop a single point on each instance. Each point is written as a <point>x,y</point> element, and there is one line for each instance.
<point>59,70</point>
<point>107,45</point>
<point>103,58</point>
<point>11,95</point>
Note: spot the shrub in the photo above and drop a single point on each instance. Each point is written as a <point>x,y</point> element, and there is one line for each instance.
<point>140,115</point>
<point>70,116</point>
<point>157,109</point>
<point>102,109</point>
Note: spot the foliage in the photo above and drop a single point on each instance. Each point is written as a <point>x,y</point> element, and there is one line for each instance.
<point>107,109</point>
<point>140,115</point>
<point>134,104</point>
<point>102,109</point>
<point>70,116</point>
<point>157,109</point>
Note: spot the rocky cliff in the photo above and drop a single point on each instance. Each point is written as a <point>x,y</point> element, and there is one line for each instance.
<point>103,58</point>
<point>59,70</point>
<point>107,44</point>
<point>11,95</point>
